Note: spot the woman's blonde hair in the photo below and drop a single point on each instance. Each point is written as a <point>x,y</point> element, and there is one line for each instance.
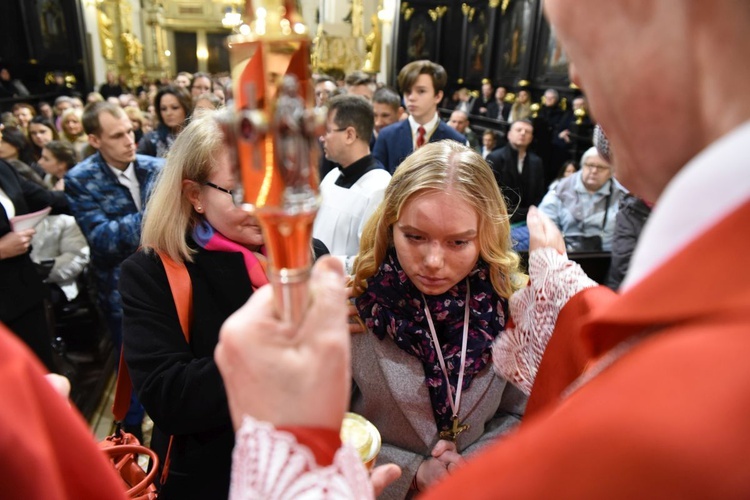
<point>169,214</point>
<point>451,167</point>
<point>78,114</point>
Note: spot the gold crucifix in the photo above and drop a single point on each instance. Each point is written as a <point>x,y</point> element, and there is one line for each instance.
<point>453,433</point>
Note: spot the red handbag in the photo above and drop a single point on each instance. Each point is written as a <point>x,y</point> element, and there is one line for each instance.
<point>123,448</point>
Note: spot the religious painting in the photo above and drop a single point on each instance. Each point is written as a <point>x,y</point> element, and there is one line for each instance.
<point>552,66</point>
<point>516,31</point>
<point>478,42</point>
<point>421,42</point>
<point>52,23</point>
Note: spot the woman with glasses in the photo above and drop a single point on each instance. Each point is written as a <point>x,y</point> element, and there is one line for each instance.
<point>584,205</point>
<point>193,217</point>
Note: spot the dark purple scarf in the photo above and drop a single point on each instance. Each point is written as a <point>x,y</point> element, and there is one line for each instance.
<point>393,306</point>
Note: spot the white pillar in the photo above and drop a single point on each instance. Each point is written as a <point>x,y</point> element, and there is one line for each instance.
<point>201,50</point>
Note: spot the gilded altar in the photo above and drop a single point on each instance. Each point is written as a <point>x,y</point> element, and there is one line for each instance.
<point>121,49</point>
<point>343,45</point>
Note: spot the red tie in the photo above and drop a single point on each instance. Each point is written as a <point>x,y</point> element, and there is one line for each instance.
<point>420,137</point>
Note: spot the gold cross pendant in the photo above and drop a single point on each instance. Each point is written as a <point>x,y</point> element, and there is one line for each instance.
<point>457,429</point>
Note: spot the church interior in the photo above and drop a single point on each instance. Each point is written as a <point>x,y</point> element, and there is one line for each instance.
<point>493,51</point>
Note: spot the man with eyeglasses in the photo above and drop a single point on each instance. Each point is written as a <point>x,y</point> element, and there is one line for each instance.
<point>351,192</point>
<point>584,205</point>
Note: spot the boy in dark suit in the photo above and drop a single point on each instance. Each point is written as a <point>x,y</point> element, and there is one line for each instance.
<point>422,83</point>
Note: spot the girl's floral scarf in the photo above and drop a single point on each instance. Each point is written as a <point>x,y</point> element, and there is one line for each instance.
<point>392,306</point>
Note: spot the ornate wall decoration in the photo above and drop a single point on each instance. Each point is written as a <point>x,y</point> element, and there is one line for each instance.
<point>349,52</point>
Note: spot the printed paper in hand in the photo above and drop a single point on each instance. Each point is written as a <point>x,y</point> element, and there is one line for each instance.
<point>27,221</point>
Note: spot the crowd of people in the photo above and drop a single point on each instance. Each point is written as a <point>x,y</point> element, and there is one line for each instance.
<point>483,380</point>
<point>108,158</point>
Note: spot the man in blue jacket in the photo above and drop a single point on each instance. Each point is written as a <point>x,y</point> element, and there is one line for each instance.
<point>422,83</point>
<point>107,193</point>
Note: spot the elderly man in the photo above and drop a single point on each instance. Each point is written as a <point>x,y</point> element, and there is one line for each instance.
<point>584,205</point>
<point>459,121</point>
<point>645,393</point>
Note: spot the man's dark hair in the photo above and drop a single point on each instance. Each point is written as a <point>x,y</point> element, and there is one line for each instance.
<point>324,78</point>
<point>356,78</point>
<point>409,74</point>
<point>353,111</point>
<point>523,120</point>
<point>63,151</point>
<point>183,98</point>
<point>388,96</point>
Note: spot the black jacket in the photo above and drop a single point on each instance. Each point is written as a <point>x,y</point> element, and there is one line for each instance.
<point>494,111</point>
<point>178,384</point>
<point>629,221</point>
<point>21,288</point>
<point>520,190</point>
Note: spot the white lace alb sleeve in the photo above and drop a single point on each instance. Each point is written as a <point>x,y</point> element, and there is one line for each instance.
<point>271,464</point>
<point>518,351</point>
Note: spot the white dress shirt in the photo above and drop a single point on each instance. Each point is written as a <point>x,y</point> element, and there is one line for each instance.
<point>128,179</point>
<point>429,128</point>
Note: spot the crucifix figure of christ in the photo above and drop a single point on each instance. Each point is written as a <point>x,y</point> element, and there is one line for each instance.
<point>452,434</point>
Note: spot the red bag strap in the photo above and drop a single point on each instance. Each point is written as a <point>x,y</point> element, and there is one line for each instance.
<point>123,389</point>
<point>182,294</point>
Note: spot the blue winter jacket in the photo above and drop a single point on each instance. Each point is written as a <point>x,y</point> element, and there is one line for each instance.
<point>108,217</point>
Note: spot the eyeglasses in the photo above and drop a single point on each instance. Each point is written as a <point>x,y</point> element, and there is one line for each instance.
<point>594,166</point>
<point>335,130</point>
<point>238,195</point>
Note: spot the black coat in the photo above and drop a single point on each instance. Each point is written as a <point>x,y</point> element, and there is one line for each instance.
<point>494,111</point>
<point>629,221</point>
<point>178,384</point>
<point>21,288</point>
<point>520,190</point>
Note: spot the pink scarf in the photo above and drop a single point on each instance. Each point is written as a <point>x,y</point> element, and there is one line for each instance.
<point>209,238</point>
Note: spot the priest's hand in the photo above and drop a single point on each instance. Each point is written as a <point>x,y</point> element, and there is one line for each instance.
<point>383,475</point>
<point>543,232</point>
<point>285,374</point>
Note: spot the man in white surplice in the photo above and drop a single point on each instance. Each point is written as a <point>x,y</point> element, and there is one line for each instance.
<point>352,192</point>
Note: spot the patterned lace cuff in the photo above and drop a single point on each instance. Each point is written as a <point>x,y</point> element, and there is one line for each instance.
<point>554,279</point>
<point>271,464</point>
